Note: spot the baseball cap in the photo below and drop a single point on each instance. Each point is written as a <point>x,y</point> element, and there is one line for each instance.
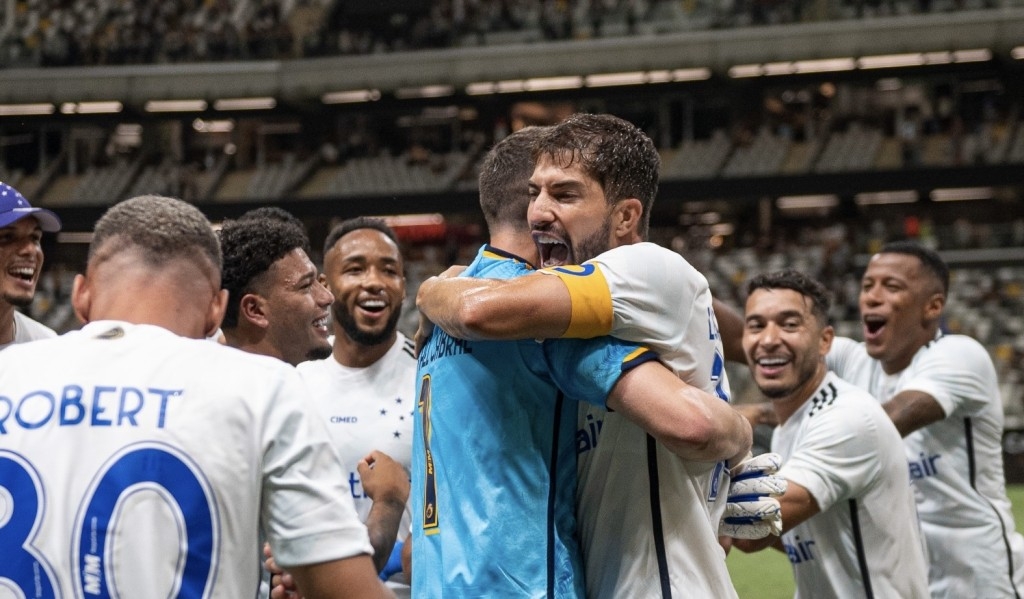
<point>14,207</point>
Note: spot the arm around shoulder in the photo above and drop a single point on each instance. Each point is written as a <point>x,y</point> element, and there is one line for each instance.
<point>528,307</point>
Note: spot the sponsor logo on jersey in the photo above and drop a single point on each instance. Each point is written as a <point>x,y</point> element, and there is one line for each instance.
<point>587,435</point>
<point>343,419</point>
<point>355,484</point>
<point>799,551</point>
<point>924,466</point>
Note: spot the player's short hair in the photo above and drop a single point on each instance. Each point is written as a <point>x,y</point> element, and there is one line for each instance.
<point>504,180</point>
<point>929,258</point>
<point>354,224</point>
<point>159,228</point>
<point>795,280</point>
<point>251,246</point>
<point>614,152</point>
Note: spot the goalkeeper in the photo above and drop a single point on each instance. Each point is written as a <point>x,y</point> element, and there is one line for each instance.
<point>850,525</point>
<point>648,519</point>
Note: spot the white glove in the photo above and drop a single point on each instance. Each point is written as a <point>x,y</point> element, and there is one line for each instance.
<point>752,510</point>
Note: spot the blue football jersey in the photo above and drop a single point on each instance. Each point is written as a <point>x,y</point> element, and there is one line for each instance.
<point>494,456</point>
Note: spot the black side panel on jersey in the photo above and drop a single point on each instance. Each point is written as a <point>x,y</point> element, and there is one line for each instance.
<point>971,473</point>
<point>656,523</point>
<point>969,441</point>
<point>858,541</point>
<point>553,492</point>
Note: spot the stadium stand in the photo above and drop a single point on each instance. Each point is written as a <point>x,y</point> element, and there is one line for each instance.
<point>943,124</point>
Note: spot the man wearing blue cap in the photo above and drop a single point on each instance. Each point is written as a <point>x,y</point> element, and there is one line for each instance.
<point>21,257</point>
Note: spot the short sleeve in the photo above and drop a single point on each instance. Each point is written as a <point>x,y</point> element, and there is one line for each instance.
<point>634,292</point>
<point>308,515</point>
<point>957,372</point>
<point>836,458</point>
<point>587,369</point>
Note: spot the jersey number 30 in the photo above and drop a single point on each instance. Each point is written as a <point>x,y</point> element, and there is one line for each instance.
<point>134,468</point>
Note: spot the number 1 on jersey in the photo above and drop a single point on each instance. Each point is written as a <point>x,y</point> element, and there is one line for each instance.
<point>430,481</point>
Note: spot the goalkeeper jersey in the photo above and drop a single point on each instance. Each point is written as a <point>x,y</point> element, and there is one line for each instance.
<point>648,519</point>
<point>842,447</point>
<point>956,464</point>
<point>494,457</point>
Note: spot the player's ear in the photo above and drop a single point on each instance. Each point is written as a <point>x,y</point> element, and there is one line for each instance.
<point>827,335</point>
<point>933,306</point>
<point>626,217</point>
<point>215,313</point>
<point>81,298</point>
<point>252,308</point>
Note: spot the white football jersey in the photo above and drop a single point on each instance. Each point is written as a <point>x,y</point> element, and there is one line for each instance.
<point>648,519</point>
<point>956,464</point>
<point>366,409</point>
<point>26,329</point>
<point>866,542</point>
<point>137,463</point>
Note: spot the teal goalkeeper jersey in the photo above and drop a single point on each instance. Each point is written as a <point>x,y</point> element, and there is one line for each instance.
<point>494,456</point>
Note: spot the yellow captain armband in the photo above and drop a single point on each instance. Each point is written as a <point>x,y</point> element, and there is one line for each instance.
<point>591,300</point>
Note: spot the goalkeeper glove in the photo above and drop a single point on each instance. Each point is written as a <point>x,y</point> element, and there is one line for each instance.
<point>752,510</point>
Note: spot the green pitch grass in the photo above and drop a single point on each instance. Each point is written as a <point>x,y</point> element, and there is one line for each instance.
<point>767,575</point>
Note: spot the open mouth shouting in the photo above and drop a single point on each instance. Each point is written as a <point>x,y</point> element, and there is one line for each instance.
<point>874,326</point>
<point>553,250</point>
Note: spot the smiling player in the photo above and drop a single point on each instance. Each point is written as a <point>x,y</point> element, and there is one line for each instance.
<point>21,230</point>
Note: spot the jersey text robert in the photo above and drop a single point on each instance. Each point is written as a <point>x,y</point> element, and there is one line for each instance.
<point>93,406</point>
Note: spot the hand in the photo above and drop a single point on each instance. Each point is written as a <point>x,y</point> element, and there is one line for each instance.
<point>752,510</point>
<point>426,327</point>
<point>282,586</point>
<point>423,333</point>
<point>383,478</point>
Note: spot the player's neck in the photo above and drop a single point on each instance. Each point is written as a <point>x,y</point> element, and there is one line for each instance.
<point>516,243</point>
<point>7,328</point>
<point>251,344</point>
<point>786,406</point>
<point>352,354</point>
<point>898,363</point>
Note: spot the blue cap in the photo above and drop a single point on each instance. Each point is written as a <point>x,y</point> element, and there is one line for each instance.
<point>14,207</point>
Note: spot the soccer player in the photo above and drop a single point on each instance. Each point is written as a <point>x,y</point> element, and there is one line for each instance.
<point>146,459</point>
<point>274,296</point>
<point>21,230</point>
<point>589,195</point>
<point>942,393</point>
<point>276,305</point>
<point>366,390</point>
<point>503,395</point>
<point>850,528</point>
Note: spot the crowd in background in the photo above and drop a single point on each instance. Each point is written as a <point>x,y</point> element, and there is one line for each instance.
<point>117,32</point>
